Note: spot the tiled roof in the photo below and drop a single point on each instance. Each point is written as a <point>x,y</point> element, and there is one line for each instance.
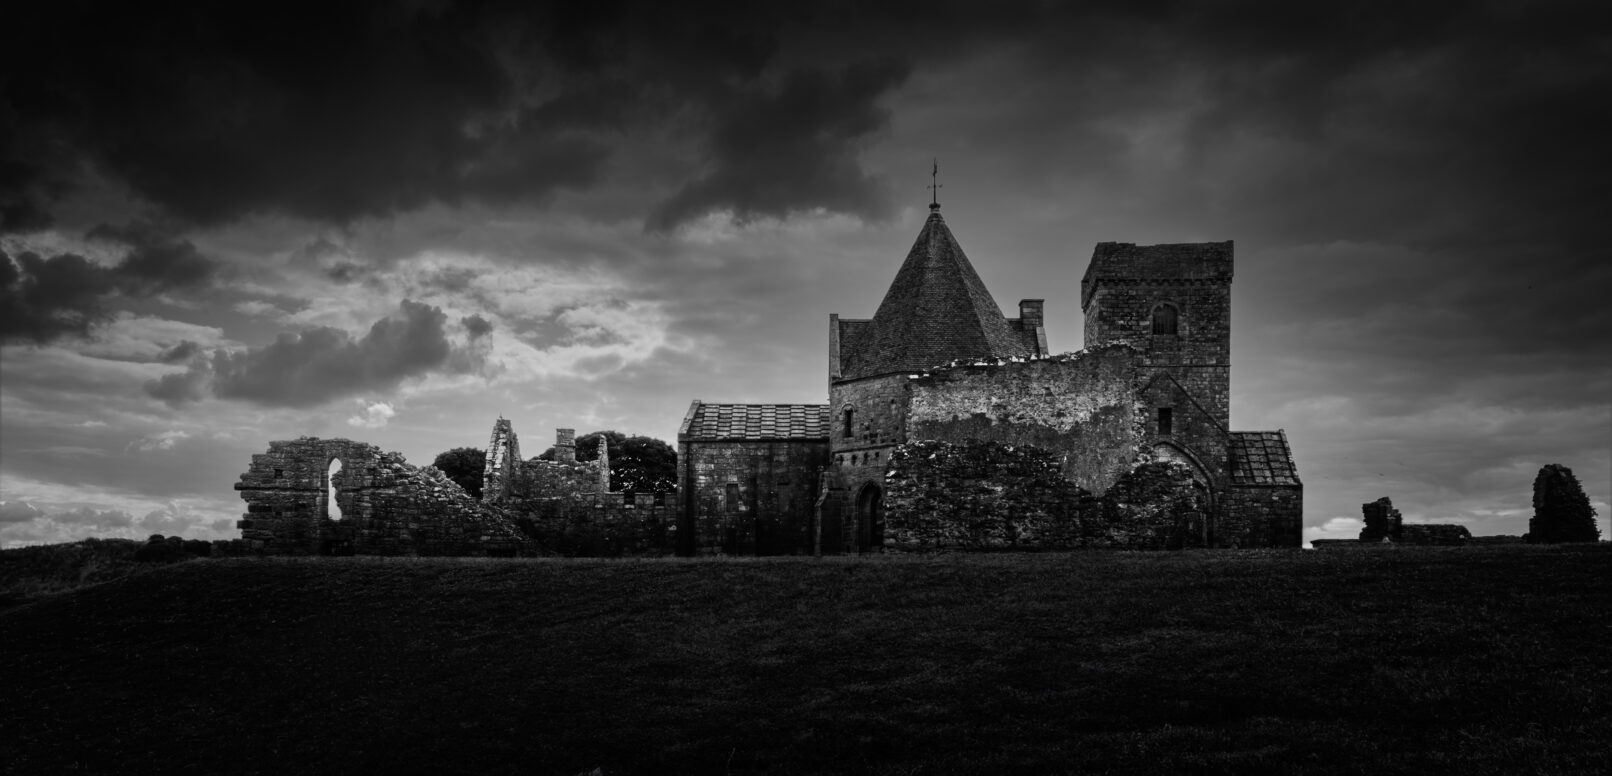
<point>1179,261</point>
<point>1262,458</point>
<point>935,311</point>
<point>755,421</point>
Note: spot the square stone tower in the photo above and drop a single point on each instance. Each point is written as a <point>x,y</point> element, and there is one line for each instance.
<point>1172,303</point>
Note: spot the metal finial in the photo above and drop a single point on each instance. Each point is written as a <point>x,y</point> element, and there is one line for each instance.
<point>934,187</point>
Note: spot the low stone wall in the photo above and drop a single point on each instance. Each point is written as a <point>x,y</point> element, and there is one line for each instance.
<point>600,524</point>
<point>1447,534</point>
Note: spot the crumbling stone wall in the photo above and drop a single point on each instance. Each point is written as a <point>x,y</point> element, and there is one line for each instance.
<point>566,505</point>
<point>1082,407</point>
<point>502,469</point>
<point>1385,524</point>
<point>388,507</point>
<point>1447,534</point>
<point>1382,521</point>
<point>986,495</point>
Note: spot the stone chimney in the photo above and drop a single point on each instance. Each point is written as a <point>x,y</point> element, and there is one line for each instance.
<point>1031,320</point>
<point>604,464</point>
<point>565,445</point>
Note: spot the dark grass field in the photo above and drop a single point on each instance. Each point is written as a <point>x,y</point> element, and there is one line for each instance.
<point>1469,660</point>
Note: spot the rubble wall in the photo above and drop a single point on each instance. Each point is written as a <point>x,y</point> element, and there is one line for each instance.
<point>387,506</point>
<point>991,496</point>
<point>1082,407</point>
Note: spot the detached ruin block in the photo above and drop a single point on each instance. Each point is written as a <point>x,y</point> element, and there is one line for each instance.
<point>1382,520</point>
<point>1385,524</point>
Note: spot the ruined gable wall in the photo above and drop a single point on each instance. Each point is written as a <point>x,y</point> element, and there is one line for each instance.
<point>1083,407</point>
<point>388,507</point>
<point>751,497</point>
<point>502,469</point>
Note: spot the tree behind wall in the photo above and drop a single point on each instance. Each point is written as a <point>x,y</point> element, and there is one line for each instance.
<point>1562,513</point>
<point>638,464</point>
<point>464,465</point>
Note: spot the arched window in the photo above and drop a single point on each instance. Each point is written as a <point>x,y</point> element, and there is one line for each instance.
<point>332,510</point>
<point>1164,319</point>
<point>850,419</point>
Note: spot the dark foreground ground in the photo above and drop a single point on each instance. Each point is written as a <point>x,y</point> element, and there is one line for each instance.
<point>1471,661</point>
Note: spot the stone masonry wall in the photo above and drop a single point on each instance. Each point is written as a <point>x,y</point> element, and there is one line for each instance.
<point>751,497</point>
<point>1082,407</point>
<point>984,495</point>
<point>1260,516</point>
<point>387,506</point>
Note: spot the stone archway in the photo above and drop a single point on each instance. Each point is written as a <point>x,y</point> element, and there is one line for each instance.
<point>870,518</point>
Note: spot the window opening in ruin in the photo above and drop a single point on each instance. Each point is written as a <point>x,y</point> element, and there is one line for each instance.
<point>332,509</point>
<point>1166,421</point>
<point>1164,319</point>
<point>731,497</point>
<point>279,473</point>
<point>850,417</point>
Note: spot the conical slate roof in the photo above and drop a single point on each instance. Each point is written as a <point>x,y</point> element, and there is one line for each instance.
<point>936,310</point>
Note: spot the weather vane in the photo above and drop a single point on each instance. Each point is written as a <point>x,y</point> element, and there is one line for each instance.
<point>935,186</point>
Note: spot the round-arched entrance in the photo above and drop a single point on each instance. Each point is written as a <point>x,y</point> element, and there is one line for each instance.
<point>870,518</point>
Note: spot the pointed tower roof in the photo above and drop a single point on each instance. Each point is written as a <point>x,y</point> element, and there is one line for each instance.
<point>936,310</point>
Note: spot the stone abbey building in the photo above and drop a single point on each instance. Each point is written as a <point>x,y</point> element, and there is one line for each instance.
<point>948,426</point>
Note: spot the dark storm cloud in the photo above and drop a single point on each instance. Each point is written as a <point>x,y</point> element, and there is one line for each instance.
<point>778,152</point>
<point>184,351</point>
<point>476,325</point>
<point>66,295</point>
<point>158,259</point>
<point>372,109</point>
<point>43,299</point>
<point>321,364</point>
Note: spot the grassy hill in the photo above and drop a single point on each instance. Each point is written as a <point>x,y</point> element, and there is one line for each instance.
<point>1469,660</point>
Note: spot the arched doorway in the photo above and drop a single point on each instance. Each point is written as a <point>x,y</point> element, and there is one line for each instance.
<point>870,518</point>
<point>1197,529</point>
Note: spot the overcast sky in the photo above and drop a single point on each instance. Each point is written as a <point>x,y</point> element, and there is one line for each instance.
<point>396,223</point>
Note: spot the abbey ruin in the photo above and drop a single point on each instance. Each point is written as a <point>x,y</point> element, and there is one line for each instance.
<point>948,426</point>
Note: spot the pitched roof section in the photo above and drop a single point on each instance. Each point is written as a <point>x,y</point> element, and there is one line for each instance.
<point>1173,261</point>
<point>1262,458</point>
<point>936,310</point>
<point>754,421</point>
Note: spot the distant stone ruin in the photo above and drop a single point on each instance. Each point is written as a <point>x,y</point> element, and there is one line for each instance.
<point>1385,524</point>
